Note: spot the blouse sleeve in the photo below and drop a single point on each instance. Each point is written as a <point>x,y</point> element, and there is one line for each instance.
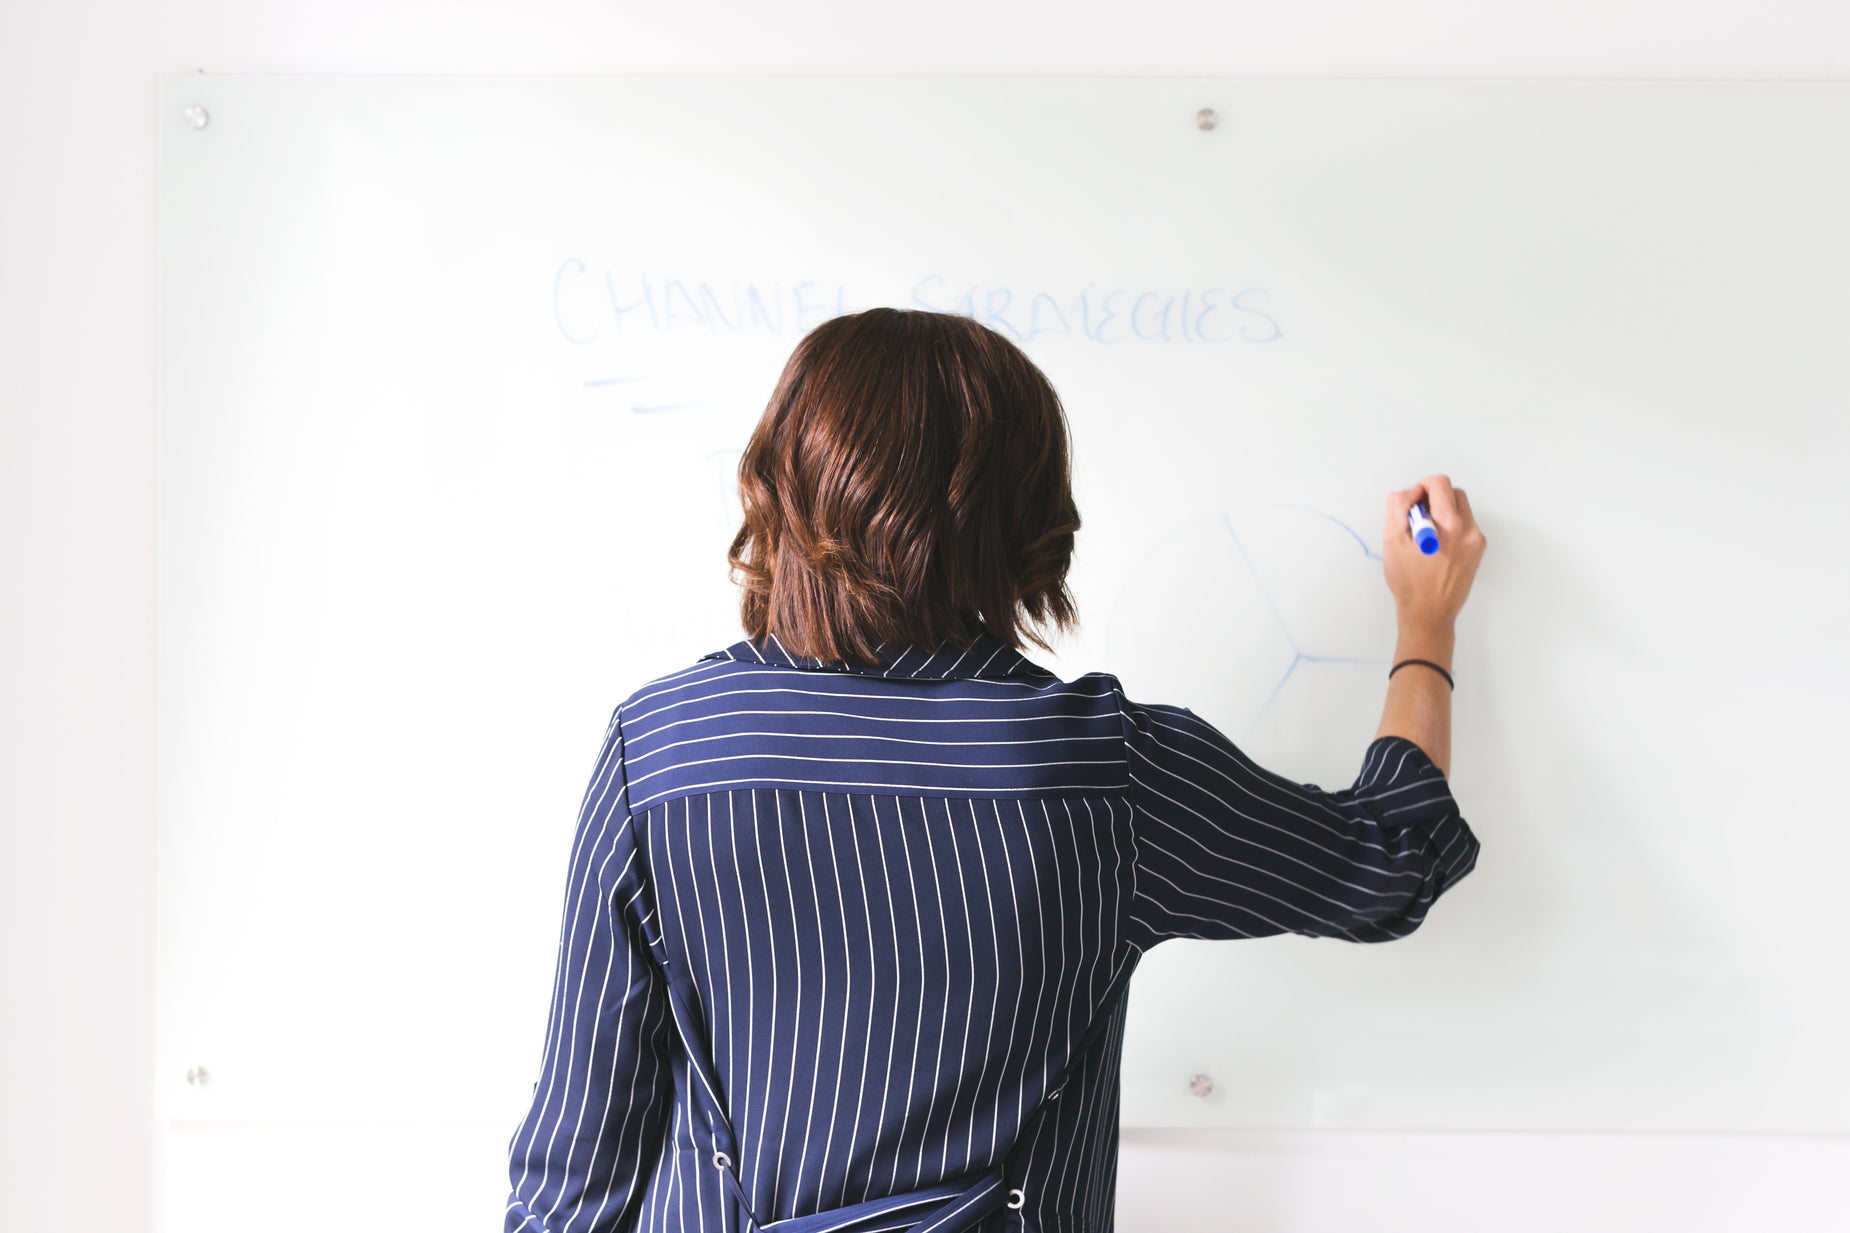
<point>581,1158</point>
<point>1228,849</point>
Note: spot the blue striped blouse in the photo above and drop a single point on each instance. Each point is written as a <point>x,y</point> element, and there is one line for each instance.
<point>900,892</point>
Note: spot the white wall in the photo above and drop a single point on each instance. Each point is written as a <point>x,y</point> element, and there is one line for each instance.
<point>79,1149</point>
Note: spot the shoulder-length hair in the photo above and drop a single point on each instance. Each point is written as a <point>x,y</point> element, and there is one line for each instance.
<point>907,485</point>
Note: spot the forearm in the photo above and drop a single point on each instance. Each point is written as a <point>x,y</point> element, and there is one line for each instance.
<point>1419,702</point>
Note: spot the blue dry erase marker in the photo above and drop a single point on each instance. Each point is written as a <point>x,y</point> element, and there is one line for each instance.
<point>1424,532</point>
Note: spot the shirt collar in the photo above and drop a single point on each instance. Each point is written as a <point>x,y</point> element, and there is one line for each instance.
<point>988,659</point>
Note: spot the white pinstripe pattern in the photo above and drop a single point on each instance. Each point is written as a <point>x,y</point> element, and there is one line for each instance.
<point>914,879</point>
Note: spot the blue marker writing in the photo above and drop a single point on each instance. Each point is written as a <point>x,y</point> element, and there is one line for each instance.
<point>1424,532</point>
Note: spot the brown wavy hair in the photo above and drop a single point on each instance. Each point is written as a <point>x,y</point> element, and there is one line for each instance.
<point>908,485</point>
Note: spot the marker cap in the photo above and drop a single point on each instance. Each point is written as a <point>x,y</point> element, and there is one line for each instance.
<point>1425,534</point>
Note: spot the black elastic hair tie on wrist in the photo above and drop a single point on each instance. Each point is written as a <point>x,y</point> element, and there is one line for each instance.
<point>1429,663</point>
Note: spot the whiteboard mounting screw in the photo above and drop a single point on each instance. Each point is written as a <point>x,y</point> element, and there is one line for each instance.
<point>196,1076</point>
<point>1200,1085</point>
<point>196,116</point>
<point>1205,119</point>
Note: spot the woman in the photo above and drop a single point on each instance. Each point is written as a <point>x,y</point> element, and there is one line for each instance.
<point>853,902</point>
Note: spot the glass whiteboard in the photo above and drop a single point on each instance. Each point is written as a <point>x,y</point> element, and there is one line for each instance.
<point>455,372</point>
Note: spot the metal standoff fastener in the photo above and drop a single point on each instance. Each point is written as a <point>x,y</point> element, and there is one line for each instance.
<point>1016,1199</point>
<point>1201,1085</point>
<point>1206,119</point>
<point>196,1076</point>
<point>721,1160</point>
<point>196,116</point>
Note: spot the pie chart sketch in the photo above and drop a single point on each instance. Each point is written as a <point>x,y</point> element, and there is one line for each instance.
<point>1270,620</point>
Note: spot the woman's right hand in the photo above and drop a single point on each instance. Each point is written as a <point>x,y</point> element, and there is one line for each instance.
<point>1430,590</point>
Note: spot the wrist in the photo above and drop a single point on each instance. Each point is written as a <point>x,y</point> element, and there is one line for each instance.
<point>1432,640</point>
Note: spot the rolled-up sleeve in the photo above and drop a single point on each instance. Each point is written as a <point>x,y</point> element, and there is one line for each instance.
<point>581,1158</point>
<point>1228,849</point>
